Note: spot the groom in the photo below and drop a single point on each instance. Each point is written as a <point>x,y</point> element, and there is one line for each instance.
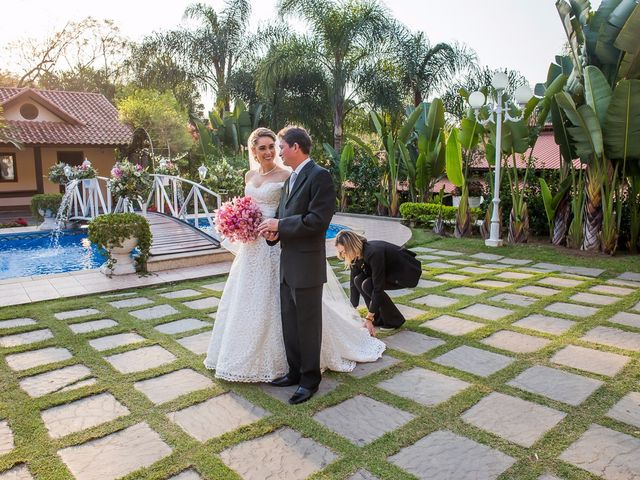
<point>306,207</point>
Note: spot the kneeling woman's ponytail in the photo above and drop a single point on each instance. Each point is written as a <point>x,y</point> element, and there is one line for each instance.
<point>352,243</point>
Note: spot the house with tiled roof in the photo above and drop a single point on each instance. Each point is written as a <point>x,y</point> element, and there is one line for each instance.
<point>54,126</point>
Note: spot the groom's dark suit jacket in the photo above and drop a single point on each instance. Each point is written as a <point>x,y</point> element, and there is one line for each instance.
<point>304,215</point>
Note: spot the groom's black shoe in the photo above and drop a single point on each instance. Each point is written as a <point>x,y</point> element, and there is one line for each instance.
<point>285,381</point>
<point>302,395</point>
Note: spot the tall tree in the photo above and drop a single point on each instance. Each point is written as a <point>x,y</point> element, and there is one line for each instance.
<point>344,37</point>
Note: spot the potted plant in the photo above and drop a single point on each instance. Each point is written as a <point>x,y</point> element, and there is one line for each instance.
<point>119,234</point>
<point>476,192</point>
<point>84,172</point>
<point>57,173</point>
<point>129,182</point>
<point>45,206</point>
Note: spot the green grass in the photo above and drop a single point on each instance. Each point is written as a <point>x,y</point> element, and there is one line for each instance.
<point>34,447</point>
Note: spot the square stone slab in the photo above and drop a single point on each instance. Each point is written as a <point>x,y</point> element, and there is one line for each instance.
<point>35,358</point>
<point>571,309</point>
<point>180,326</point>
<point>17,322</point>
<point>216,287</point>
<point>151,313</point>
<point>633,276</point>
<point>92,326</point>
<point>435,301</point>
<point>20,472</point>
<point>399,293</point>
<point>115,455</point>
<point>515,261</point>
<point>624,283</point>
<point>439,265</point>
<point>488,312</point>
<point>611,290</point>
<point>216,416</point>
<point>283,394</point>
<point>186,475</point>
<point>546,324</point>
<point>412,342</point>
<point>584,271</point>
<point>429,257</point>
<point>283,454</point>
<point>512,418</point>
<point>551,267</point>
<point>589,360</point>
<point>203,304</point>
<point>25,338</point>
<point>82,414</point>
<point>515,342</point>
<point>492,284</point>
<point>452,277</point>
<point>118,295</point>
<point>363,475</point>
<point>187,292</point>
<point>364,369</point>
<point>614,338</point>
<point>198,344</point>
<point>140,359</point>
<point>114,341</point>
<point>627,410</point>
<point>409,313</point>
<point>131,302</point>
<point>513,275</point>
<point>83,312</point>
<point>467,291</point>
<point>514,299</point>
<point>594,298</point>
<point>170,386</point>
<point>423,249</point>
<point>452,325</point>
<point>424,386</point>
<point>626,318</point>
<point>62,379</point>
<point>494,266</point>
<point>362,420</point>
<point>606,453</point>
<point>636,307</point>
<point>439,456</point>
<point>422,283</point>
<point>536,290</point>
<point>6,438</point>
<point>474,360</point>
<point>464,263</point>
<point>475,270</point>
<point>487,256</point>
<point>560,282</point>
<point>548,476</point>
<point>555,384</point>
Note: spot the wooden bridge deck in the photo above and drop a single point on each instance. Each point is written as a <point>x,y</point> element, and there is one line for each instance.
<point>171,236</point>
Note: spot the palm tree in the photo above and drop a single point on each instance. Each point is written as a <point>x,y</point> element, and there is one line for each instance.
<point>210,52</point>
<point>424,68</point>
<point>344,38</point>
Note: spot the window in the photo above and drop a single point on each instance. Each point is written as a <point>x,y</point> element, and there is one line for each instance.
<point>8,171</point>
<point>29,111</point>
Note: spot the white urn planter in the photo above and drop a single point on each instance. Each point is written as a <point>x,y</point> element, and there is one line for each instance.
<point>49,222</point>
<point>475,202</point>
<point>121,261</point>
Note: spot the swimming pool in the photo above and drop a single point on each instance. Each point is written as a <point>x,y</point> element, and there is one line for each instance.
<point>34,253</point>
<point>332,231</point>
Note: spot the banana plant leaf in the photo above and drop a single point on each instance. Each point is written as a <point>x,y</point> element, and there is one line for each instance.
<point>362,144</point>
<point>586,131</point>
<point>435,119</point>
<point>454,159</point>
<point>550,201</point>
<point>407,128</point>
<point>599,18</point>
<point>346,161</point>
<point>554,87</point>
<point>597,91</point>
<point>627,41</point>
<point>470,132</point>
<point>573,31</point>
<point>515,137</point>
<point>205,139</point>
<point>561,133</point>
<point>622,123</point>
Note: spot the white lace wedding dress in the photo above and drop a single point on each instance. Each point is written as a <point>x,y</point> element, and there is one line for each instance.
<point>246,344</point>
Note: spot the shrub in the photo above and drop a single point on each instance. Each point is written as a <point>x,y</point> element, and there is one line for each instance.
<point>44,202</point>
<point>113,228</point>
<point>426,213</point>
<point>130,181</point>
<point>57,175</point>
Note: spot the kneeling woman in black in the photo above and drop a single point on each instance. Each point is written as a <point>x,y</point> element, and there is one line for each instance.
<point>377,266</point>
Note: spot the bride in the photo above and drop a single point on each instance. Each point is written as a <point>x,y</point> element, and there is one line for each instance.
<point>247,344</point>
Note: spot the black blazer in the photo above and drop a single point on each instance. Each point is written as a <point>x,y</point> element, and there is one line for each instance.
<point>304,216</point>
<point>389,266</point>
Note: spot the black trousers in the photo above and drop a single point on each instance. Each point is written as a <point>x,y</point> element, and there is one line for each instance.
<point>388,314</point>
<point>302,332</point>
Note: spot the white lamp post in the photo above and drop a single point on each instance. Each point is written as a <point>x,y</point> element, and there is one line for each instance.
<point>202,172</point>
<point>498,107</point>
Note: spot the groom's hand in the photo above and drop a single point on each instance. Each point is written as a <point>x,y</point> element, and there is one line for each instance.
<point>270,236</point>
<point>269,225</point>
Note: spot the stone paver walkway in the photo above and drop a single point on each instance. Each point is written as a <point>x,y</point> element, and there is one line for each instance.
<point>506,369</point>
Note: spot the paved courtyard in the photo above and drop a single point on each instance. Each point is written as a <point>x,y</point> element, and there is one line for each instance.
<point>506,369</point>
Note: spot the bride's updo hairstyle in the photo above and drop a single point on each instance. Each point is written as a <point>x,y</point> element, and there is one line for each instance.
<point>353,245</point>
<point>259,133</point>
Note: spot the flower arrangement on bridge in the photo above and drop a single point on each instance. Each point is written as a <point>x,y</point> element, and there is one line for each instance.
<point>129,180</point>
<point>238,219</point>
<point>167,166</point>
<point>85,171</point>
<point>57,174</point>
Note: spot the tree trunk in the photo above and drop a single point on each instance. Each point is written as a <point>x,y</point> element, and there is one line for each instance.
<point>417,98</point>
<point>338,118</point>
<point>519,227</point>
<point>439,228</point>
<point>592,216</point>
<point>561,221</point>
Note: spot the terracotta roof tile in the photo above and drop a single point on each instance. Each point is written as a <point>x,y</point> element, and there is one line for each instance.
<point>99,124</point>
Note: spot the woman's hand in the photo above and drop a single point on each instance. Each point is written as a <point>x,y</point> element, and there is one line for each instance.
<point>368,324</point>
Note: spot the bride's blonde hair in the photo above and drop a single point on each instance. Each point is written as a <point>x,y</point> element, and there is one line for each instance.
<point>353,245</point>
<point>255,136</point>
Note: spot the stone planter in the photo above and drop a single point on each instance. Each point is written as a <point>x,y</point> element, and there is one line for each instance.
<point>123,264</point>
<point>49,222</point>
<point>475,202</point>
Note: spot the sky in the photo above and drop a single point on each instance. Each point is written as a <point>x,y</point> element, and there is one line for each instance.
<point>522,35</point>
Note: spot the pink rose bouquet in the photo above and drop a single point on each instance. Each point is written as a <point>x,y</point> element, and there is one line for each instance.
<point>238,219</point>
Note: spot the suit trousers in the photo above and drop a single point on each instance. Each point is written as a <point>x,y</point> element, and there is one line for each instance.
<point>302,332</point>
<point>388,314</point>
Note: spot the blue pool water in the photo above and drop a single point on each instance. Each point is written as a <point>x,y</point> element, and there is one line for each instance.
<point>332,231</point>
<point>27,254</point>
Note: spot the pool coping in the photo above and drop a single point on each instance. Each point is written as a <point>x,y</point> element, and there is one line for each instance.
<point>24,290</point>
